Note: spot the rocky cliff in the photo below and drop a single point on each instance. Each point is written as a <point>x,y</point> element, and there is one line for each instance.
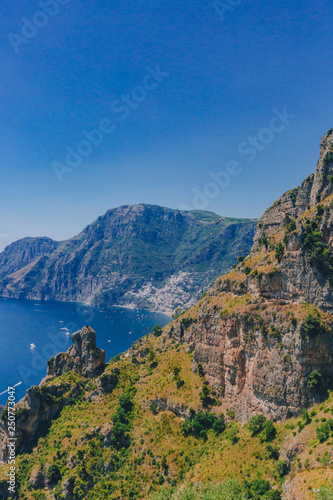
<point>172,409</point>
<point>141,256</point>
<point>264,330</point>
<point>83,360</point>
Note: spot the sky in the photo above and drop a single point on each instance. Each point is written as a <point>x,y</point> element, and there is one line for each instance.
<point>193,105</point>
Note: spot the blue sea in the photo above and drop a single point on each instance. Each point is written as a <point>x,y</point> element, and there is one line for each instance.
<point>49,325</point>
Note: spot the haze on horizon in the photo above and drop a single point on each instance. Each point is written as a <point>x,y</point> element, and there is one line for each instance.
<point>165,97</point>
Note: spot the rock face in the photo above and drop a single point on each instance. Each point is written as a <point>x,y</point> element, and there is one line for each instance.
<point>44,403</point>
<point>23,252</point>
<point>264,328</point>
<point>83,357</point>
<point>144,256</point>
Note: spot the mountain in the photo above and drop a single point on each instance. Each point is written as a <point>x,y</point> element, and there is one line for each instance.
<point>141,256</point>
<point>231,400</point>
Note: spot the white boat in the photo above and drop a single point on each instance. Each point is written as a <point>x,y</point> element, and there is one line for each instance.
<point>32,346</point>
<point>109,341</point>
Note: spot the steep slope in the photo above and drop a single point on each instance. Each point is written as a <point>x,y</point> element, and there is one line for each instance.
<point>145,256</point>
<point>23,252</point>
<point>216,394</point>
<point>146,424</point>
<point>263,333</point>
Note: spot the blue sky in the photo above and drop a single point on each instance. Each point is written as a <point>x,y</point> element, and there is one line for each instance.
<point>223,75</point>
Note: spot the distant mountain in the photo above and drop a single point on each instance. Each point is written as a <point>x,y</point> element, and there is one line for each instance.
<point>141,256</point>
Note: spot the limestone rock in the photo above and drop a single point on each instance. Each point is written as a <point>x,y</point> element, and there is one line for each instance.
<point>83,357</point>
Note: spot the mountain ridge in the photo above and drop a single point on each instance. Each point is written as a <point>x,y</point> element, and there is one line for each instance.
<point>239,386</point>
<point>133,255</point>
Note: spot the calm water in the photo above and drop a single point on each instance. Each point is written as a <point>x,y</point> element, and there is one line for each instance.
<point>48,325</point>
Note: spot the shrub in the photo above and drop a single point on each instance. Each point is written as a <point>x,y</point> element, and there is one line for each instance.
<point>313,326</point>
<point>153,408</point>
<point>279,251</point>
<point>291,227</point>
<point>268,432</point>
<point>272,452</point>
<point>282,468</point>
<point>320,210</point>
<point>305,417</point>
<point>319,253</point>
<point>53,473</point>
<point>325,493</point>
<point>157,330</point>
<point>201,371</point>
<point>315,380</point>
<point>324,431</point>
<point>201,423</point>
<point>233,434</point>
<point>247,270</point>
<point>256,424</point>
<point>263,241</point>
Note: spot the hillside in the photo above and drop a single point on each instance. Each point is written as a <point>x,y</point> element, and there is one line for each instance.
<point>142,256</point>
<point>231,401</point>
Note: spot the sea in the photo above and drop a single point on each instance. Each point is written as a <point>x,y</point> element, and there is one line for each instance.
<point>31,332</point>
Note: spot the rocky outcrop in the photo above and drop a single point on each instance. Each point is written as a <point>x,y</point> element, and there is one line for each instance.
<point>23,252</point>
<point>143,256</point>
<point>257,363</point>
<point>83,356</point>
<point>298,201</point>
<point>44,403</point>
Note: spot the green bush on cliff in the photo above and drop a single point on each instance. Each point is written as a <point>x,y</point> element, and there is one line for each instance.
<point>313,326</point>
<point>122,420</point>
<point>256,424</point>
<point>324,431</point>
<point>315,380</point>
<point>279,251</point>
<point>232,489</point>
<point>319,252</point>
<point>268,432</point>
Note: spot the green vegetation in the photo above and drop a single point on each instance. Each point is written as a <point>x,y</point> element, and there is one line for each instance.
<point>325,430</point>
<point>313,326</point>
<point>279,251</point>
<point>291,227</point>
<point>326,492</point>
<point>157,330</point>
<point>319,253</point>
<point>230,490</point>
<point>315,380</point>
<point>202,422</point>
<point>293,195</point>
<point>260,426</point>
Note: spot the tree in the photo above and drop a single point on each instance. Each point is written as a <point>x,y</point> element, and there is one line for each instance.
<point>157,330</point>
<point>268,432</point>
<point>315,380</point>
<point>201,371</point>
<point>313,326</point>
<point>323,432</point>
<point>279,251</point>
<point>256,424</point>
<point>282,468</point>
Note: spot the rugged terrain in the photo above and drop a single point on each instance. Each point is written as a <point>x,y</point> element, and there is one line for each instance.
<point>141,256</point>
<point>238,386</point>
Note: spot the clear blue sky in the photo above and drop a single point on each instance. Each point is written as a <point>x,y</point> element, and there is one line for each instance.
<point>225,76</point>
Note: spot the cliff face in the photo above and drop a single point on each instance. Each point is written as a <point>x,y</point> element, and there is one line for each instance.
<point>265,328</point>
<point>144,256</point>
<point>23,252</point>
